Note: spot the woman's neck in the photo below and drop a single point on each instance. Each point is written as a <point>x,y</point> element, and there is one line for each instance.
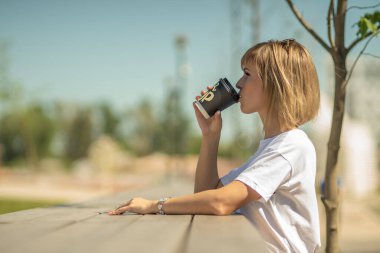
<point>272,128</point>
<point>271,132</point>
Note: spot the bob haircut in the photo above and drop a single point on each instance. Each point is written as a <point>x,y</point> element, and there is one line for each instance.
<point>290,81</point>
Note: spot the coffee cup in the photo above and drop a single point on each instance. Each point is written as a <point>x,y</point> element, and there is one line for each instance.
<point>220,97</point>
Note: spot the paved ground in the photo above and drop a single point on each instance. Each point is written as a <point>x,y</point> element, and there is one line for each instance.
<point>360,227</point>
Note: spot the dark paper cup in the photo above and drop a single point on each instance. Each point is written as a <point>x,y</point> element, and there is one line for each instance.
<point>220,97</point>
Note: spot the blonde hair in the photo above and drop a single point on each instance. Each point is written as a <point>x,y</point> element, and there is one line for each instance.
<point>290,81</point>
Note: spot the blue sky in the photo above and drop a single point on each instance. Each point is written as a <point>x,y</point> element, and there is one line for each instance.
<point>119,51</point>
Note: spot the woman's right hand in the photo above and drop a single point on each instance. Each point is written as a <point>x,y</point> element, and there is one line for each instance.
<point>211,127</point>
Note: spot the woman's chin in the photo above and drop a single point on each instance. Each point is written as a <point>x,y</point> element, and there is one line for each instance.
<point>246,110</point>
<point>242,109</point>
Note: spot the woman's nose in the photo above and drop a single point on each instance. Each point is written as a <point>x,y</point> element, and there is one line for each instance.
<point>239,84</point>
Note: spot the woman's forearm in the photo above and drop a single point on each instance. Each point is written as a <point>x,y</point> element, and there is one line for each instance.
<point>221,201</point>
<point>205,202</point>
<point>206,174</point>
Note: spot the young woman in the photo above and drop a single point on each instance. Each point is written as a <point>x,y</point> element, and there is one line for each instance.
<point>274,189</point>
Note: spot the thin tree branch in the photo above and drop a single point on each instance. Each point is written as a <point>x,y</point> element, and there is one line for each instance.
<point>372,55</point>
<point>362,8</point>
<point>339,24</point>
<point>330,15</point>
<point>356,60</point>
<point>355,42</point>
<point>307,26</point>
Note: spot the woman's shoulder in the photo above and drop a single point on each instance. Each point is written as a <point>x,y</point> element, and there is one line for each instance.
<point>291,141</point>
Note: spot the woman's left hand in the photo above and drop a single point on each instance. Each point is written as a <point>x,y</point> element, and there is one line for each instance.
<point>136,205</point>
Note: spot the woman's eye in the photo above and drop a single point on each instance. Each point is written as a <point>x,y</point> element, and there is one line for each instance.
<point>246,73</point>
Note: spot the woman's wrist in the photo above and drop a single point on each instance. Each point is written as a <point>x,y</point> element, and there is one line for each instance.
<point>157,206</point>
<point>211,138</point>
<point>154,207</point>
<point>210,146</point>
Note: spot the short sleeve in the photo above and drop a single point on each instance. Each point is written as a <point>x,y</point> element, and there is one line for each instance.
<point>269,171</point>
<point>231,176</point>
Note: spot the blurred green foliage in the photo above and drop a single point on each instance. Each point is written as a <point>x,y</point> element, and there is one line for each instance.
<point>33,130</point>
<point>369,23</point>
<point>8,205</point>
<point>26,133</point>
<point>110,121</point>
<point>174,125</point>
<point>79,135</point>
<point>143,125</point>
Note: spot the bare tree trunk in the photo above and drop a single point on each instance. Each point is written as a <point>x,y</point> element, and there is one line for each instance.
<point>339,53</point>
<point>331,197</point>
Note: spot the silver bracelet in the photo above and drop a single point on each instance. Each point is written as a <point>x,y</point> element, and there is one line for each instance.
<point>160,205</point>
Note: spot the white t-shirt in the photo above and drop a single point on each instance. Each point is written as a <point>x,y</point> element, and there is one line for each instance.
<point>282,171</point>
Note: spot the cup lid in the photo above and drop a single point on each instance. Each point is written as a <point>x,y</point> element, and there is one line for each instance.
<point>230,89</point>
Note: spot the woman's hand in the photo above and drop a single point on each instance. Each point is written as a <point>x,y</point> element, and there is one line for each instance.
<point>211,127</point>
<point>136,205</point>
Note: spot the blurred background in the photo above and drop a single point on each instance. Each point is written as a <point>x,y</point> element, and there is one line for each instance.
<point>95,96</point>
